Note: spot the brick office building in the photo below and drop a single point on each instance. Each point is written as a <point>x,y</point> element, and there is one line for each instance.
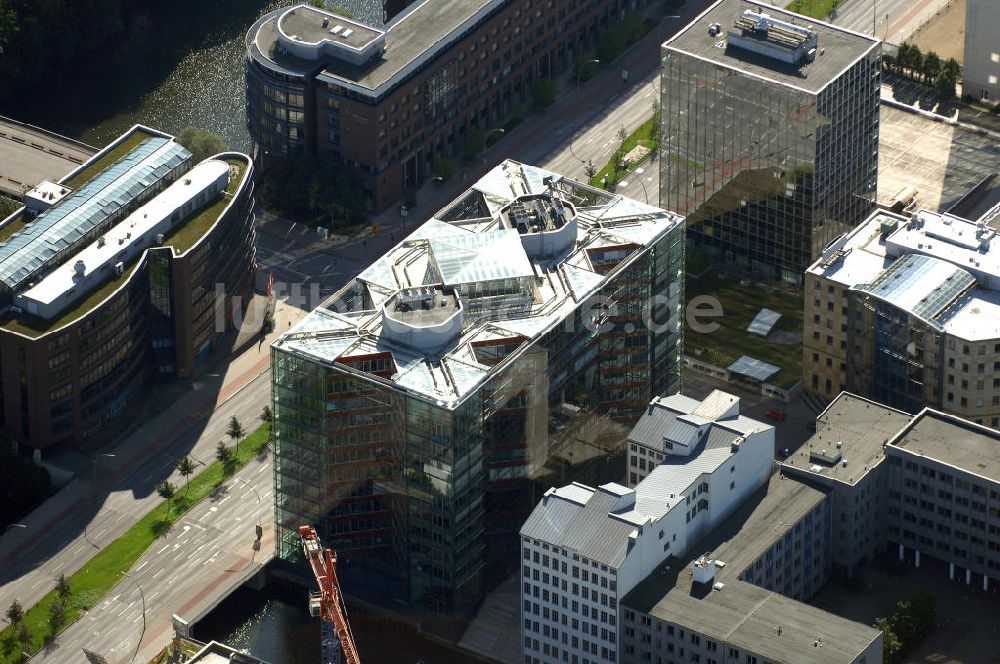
<point>127,269</point>
<point>383,103</point>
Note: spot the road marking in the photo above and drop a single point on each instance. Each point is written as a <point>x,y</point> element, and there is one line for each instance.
<point>141,566</point>
<point>159,572</point>
<point>224,499</point>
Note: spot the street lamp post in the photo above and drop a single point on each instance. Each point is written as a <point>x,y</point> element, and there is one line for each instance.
<point>645,193</point>
<point>486,139</point>
<point>579,70</point>
<point>252,488</point>
<point>142,596</point>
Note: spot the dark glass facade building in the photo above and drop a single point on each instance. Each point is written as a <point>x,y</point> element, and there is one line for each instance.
<point>770,135</point>
<point>413,411</point>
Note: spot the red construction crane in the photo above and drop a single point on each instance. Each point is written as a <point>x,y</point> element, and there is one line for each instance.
<point>328,603</point>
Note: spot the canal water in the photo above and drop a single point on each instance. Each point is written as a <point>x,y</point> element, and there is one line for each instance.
<point>275,626</point>
<point>188,70</point>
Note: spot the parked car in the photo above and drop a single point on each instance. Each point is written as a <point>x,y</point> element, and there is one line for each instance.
<point>776,415</point>
<point>785,453</point>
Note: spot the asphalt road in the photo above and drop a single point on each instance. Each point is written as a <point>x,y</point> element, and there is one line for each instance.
<point>208,552</point>
<point>891,20</point>
<point>68,546</point>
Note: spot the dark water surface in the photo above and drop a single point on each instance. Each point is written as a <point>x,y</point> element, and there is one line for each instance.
<point>171,72</point>
<point>275,625</point>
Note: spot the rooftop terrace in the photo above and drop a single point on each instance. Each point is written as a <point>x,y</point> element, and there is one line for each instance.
<point>837,48</point>
<point>507,292</point>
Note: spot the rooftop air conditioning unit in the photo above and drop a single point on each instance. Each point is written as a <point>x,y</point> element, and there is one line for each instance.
<point>119,268</point>
<point>159,238</point>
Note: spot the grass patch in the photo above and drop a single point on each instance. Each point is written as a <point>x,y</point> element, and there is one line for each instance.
<point>107,159</point>
<point>815,8</point>
<point>188,233</point>
<point>13,226</point>
<point>102,572</point>
<point>647,135</point>
<point>739,306</point>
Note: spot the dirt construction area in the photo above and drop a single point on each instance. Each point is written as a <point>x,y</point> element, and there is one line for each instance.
<point>944,33</point>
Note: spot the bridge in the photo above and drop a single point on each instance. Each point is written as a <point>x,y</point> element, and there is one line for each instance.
<point>31,154</point>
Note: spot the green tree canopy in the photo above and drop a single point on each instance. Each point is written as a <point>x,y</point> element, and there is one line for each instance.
<point>201,142</point>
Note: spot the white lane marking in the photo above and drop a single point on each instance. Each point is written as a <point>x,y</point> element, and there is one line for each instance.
<point>165,546</point>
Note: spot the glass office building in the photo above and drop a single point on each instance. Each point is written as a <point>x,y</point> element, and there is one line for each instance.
<point>413,409</point>
<point>770,135</point>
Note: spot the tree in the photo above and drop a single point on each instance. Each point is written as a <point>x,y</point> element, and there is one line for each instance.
<point>622,135</point>
<point>952,68</point>
<point>15,613</point>
<point>472,143</point>
<point>931,67</point>
<point>201,142</point>
<point>63,589</point>
<point>891,646</point>
<point>57,615</point>
<point>167,491</point>
<point>235,431</point>
<point>590,169</point>
<point>543,91</point>
<point>266,415</point>
<point>225,457</point>
<point>23,634</point>
<point>945,86</point>
<point>186,468</point>
<point>443,167</point>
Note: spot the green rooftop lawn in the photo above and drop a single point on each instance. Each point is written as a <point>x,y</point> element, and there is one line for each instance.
<point>108,159</point>
<point>19,222</point>
<point>188,233</point>
<point>739,306</point>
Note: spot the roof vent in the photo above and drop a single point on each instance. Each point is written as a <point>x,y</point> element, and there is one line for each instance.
<point>100,241</point>
<point>80,268</point>
<point>119,268</point>
<point>326,21</point>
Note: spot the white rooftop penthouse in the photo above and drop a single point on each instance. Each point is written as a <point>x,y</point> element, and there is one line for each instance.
<point>728,457</point>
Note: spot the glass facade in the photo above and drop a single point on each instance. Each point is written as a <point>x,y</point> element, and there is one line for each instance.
<point>766,173</point>
<point>421,497</point>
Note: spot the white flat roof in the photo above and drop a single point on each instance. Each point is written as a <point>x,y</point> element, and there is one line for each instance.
<point>120,243</point>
